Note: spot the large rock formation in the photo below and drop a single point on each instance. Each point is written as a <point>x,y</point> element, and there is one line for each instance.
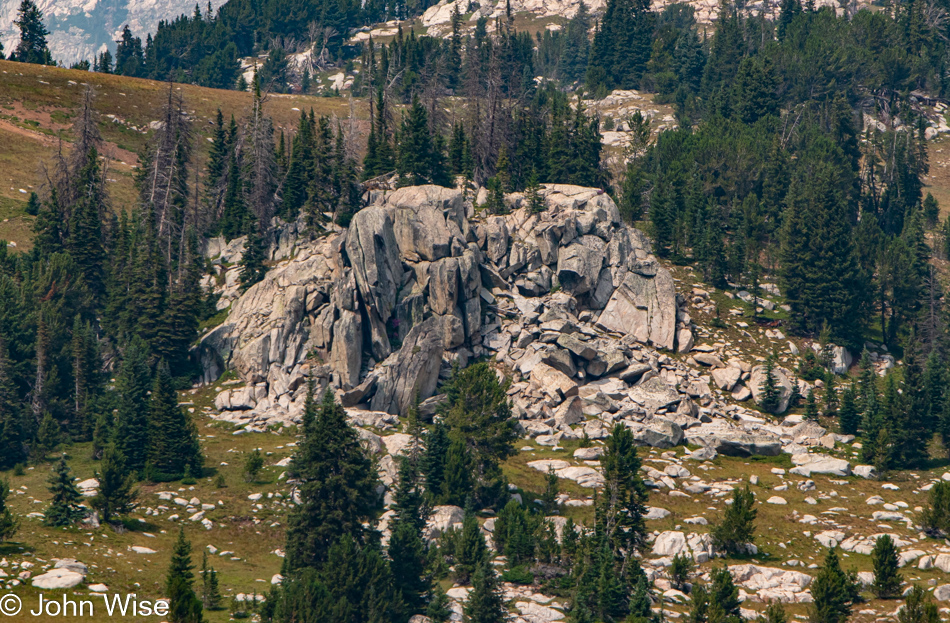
<point>380,310</point>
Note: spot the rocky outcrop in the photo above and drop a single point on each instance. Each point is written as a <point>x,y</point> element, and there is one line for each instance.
<point>379,311</point>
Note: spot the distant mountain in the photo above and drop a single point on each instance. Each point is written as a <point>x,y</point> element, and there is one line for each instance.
<point>80,28</point>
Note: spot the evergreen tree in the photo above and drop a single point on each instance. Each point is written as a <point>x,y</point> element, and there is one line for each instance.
<point>116,495</point>
<point>736,529</point>
<point>11,443</point>
<point>407,550</point>
<point>918,608</point>
<point>832,592</point>
<point>438,609</point>
<point>698,605</point>
<point>173,438</point>
<point>774,613</point>
<point>252,262</point>
<point>64,508</point>
<point>129,57</point>
<point>210,591</point>
<point>622,506</point>
<point>621,47</point>
<point>49,435</point>
<point>418,159</point>
<point>470,549</point>
<point>811,406</point>
<point>9,524</point>
<point>85,242</point>
<point>478,413</point>
<point>132,421</point>
<point>32,47</point>
<point>434,458</point>
<point>936,515</point>
<point>723,597</point>
<point>485,603</point>
<point>887,578</point>
<point>848,418</point>
<point>337,485</point>
<point>184,606</point>
<point>770,389</point>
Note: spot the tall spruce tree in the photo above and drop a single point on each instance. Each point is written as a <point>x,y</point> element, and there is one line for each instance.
<point>132,421</point>
<point>337,485</point>
<point>64,508</point>
<point>736,529</point>
<point>11,440</point>
<point>183,604</point>
<point>116,495</point>
<point>407,549</point>
<point>9,523</point>
<point>887,577</point>
<point>485,603</point>
<point>832,592</point>
<point>918,608</point>
<point>622,506</point>
<point>173,447</point>
<point>32,47</point>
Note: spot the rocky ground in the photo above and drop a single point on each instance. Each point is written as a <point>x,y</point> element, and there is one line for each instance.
<point>593,330</point>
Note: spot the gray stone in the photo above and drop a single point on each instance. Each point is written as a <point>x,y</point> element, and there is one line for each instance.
<point>569,412</point>
<point>654,394</point>
<point>657,433</point>
<point>684,340</point>
<point>560,360</point>
<point>865,471</point>
<point>346,357</point>
<point>413,371</point>
<point>726,378</point>
<point>579,264</point>
<point>644,308</point>
<point>576,346</point>
<point>552,382</point>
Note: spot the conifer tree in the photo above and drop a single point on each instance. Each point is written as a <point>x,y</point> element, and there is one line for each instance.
<point>918,608</point>
<point>478,412</point>
<point>116,495</point>
<point>736,529</point>
<point>32,47</point>
<point>698,605</point>
<point>418,160</point>
<point>774,613</point>
<point>210,591</point>
<point>936,515</point>
<point>811,406</point>
<point>831,591</point>
<point>9,524</point>
<point>848,418</point>
<point>183,604</point>
<point>438,609</point>
<point>252,262</point>
<point>622,506</point>
<point>485,603</point>
<point>770,390</point>
<point>64,508</point>
<point>434,458</point>
<point>887,578</point>
<point>470,550</point>
<point>407,550</point>
<point>337,485</point>
<point>49,435</point>
<point>11,443</point>
<point>133,385</point>
<point>85,242</point>
<point>549,500</point>
<point>723,597</point>
<point>173,444</point>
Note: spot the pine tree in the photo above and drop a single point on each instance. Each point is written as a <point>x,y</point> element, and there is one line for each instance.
<point>774,613</point>
<point>85,242</point>
<point>848,418</point>
<point>9,524</point>
<point>831,591</point>
<point>438,609</point>
<point>173,444</point>
<point>549,500</point>
<point>418,160</point>
<point>252,262</point>
<point>621,509</point>
<point>698,605</point>
<point>811,406</point>
<point>485,603</point>
<point>49,435</point>
<point>11,443</point>
<point>769,389</point>
<point>478,412</point>
<point>133,385</point>
<point>470,549</point>
<point>918,608</point>
<point>736,529</point>
<point>433,460</point>
<point>407,550</point>
<point>723,597</point>
<point>887,578</point>
<point>210,591</point>
<point>32,47</point>
<point>936,515</point>
<point>116,495</point>
<point>337,485</point>
<point>64,508</point>
<point>184,606</point>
